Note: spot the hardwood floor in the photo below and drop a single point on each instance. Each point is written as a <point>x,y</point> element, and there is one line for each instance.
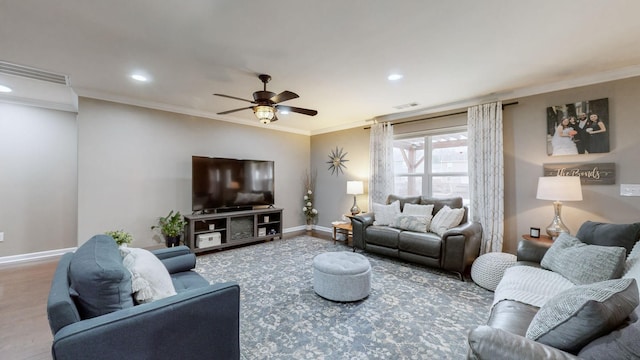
<point>24,329</point>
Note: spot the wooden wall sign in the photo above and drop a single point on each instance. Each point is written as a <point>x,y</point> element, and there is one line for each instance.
<point>590,173</point>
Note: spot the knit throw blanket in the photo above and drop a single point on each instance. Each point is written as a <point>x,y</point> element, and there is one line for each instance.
<point>530,285</point>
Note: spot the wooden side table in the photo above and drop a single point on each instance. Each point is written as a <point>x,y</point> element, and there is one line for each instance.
<point>544,239</point>
<point>342,228</point>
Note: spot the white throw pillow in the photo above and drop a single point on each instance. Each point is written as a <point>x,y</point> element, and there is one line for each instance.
<point>417,210</point>
<point>385,214</point>
<point>150,279</point>
<point>445,219</point>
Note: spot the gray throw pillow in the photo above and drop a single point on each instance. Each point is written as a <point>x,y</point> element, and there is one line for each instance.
<point>576,316</point>
<point>100,284</point>
<point>412,223</point>
<point>582,263</point>
<point>619,344</point>
<point>596,233</point>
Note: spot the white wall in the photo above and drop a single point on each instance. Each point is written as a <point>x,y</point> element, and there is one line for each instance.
<point>38,162</point>
<point>134,165</point>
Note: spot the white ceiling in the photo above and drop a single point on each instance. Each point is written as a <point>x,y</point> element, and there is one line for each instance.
<point>335,54</point>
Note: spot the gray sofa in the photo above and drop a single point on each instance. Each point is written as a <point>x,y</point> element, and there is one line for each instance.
<point>454,251</point>
<point>200,322</point>
<point>538,282</point>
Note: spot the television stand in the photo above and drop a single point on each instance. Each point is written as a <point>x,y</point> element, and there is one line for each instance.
<point>206,232</point>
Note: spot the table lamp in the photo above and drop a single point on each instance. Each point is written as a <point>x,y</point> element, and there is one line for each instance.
<point>355,188</point>
<point>559,188</point>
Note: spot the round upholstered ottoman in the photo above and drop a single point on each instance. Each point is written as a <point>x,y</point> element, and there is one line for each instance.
<point>487,269</point>
<point>341,276</point>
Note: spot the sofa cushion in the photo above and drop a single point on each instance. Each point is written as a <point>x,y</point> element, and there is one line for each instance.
<point>411,223</point>
<point>583,313</point>
<point>403,200</point>
<point>445,219</point>
<point>150,279</point>
<point>596,233</point>
<point>439,203</point>
<point>385,214</point>
<point>99,282</point>
<point>383,236</point>
<point>618,344</point>
<point>582,263</point>
<point>425,244</point>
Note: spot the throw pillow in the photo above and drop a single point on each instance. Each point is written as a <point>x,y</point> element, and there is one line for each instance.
<point>385,214</point>
<point>417,210</point>
<point>150,279</point>
<point>582,263</point>
<point>596,233</point>
<point>619,344</point>
<point>411,222</point>
<point>576,316</point>
<point>445,219</point>
<point>99,283</point>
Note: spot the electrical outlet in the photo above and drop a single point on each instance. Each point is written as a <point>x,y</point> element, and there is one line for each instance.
<point>1,235</point>
<point>629,190</point>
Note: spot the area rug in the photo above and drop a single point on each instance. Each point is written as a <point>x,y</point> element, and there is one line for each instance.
<point>412,312</point>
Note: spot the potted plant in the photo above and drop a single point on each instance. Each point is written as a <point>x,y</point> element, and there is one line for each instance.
<point>171,227</point>
<point>121,237</point>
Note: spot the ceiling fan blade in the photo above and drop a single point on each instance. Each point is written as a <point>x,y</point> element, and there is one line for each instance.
<point>235,98</point>
<point>234,110</point>
<point>284,96</point>
<point>297,110</point>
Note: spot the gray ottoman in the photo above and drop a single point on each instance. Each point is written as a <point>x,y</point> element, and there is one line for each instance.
<point>487,269</point>
<point>341,276</point>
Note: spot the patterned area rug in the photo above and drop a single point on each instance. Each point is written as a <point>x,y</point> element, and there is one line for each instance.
<point>412,312</point>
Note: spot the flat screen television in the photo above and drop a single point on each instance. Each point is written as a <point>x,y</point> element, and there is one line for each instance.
<point>227,184</point>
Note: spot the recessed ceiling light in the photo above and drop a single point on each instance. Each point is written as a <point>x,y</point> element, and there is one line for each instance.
<point>5,89</point>
<point>394,77</point>
<point>139,77</point>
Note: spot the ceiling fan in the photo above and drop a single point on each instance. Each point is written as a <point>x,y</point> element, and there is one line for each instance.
<point>267,103</point>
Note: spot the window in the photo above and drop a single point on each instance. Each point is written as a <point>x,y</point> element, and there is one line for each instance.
<point>432,165</point>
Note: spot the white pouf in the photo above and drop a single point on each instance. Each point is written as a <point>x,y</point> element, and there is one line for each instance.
<point>341,276</point>
<point>487,270</point>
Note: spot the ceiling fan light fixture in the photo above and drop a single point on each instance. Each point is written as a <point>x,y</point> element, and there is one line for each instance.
<point>264,113</point>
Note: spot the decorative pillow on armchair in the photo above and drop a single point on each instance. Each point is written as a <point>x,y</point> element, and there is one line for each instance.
<point>582,263</point>
<point>150,279</point>
<point>385,214</point>
<point>597,233</point>
<point>576,316</point>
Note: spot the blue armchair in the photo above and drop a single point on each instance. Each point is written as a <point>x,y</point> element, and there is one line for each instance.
<point>201,321</point>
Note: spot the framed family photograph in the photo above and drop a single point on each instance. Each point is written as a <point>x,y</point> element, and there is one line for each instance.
<point>578,128</point>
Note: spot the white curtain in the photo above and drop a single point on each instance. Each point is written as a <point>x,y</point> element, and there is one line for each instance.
<point>381,167</point>
<point>486,173</point>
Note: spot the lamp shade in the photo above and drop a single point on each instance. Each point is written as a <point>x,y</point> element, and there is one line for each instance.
<point>355,187</point>
<point>559,188</point>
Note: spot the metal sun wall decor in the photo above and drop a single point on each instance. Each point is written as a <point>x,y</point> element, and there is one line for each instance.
<point>336,161</point>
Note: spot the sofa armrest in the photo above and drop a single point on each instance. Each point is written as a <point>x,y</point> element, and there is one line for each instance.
<point>486,342</point>
<point>461,246</point>
<point>531,251</point>
<point>166,253</point>
<point>189,325</point>
<point>176,259</point>
<point>359,224</point>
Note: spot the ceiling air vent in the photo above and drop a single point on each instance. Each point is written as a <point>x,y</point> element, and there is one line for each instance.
<point>406,106</point>
<point>33,73</point>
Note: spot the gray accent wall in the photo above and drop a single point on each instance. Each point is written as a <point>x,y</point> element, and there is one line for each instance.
<point>38,172</point>
<point>134,165</point>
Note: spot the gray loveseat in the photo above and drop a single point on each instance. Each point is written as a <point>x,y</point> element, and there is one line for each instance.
<point>578,329</point>
<point>200,322</point>
<point>454,251</point>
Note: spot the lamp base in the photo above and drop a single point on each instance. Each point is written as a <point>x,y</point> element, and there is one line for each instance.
<point>557,227</point>
<point>355,210</point>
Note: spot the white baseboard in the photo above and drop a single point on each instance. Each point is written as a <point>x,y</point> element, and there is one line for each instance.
<point>303,227</point>
<point>37,256</point>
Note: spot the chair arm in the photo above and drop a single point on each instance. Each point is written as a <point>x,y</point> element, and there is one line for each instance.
<point>531,251</point>
<point>176,259</point>
<point>202,322</point>
<point>486,342</point>
<point>359,224</point>
<point>461,246</point>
